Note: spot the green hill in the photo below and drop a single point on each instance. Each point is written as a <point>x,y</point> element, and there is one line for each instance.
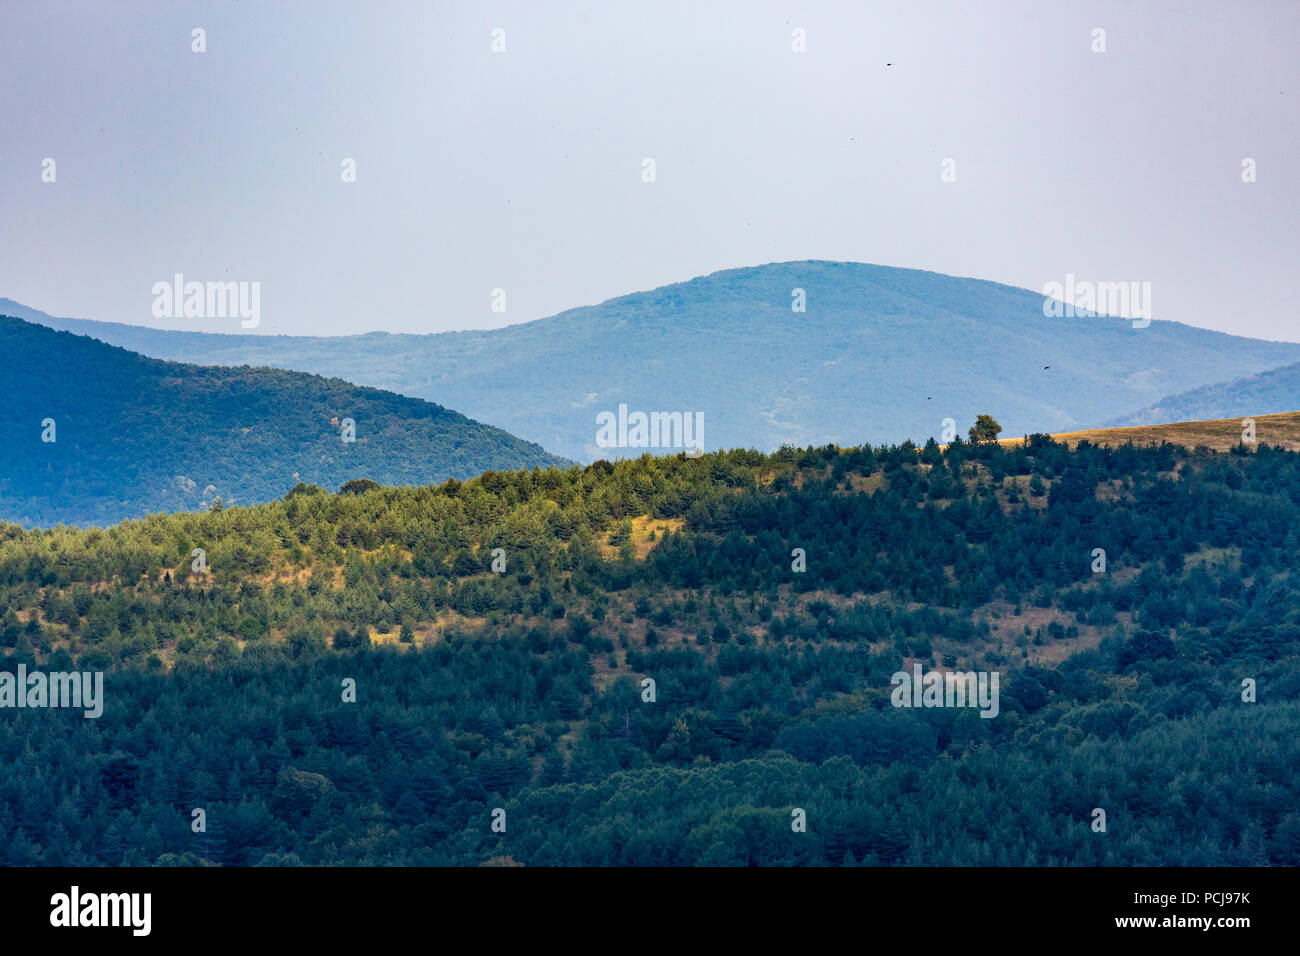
<point>653,675</point>
<point>134,435</point>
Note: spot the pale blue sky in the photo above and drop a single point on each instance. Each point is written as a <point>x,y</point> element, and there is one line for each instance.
<point>522,170</point>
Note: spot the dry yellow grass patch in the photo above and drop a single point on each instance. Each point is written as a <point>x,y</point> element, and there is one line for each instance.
<point>284,571</point>
<point>425,635</point>
<point>1010,633</point>
<point>1021,485</point>
<point>868,484</point>
<point>1211,556</point>
<point>1220,434</point>
<point>642,526</point>
<point>385,637</point>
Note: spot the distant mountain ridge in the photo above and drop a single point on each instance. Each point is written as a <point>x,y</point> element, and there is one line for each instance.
<point>1277,390</point>
<point>135,435</point>
<point>879,354</point>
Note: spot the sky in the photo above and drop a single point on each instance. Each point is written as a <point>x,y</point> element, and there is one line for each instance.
<point>523,169</point>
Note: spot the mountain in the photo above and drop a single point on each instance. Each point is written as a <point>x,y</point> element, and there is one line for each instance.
<point>879,355</point>
<point>135,435</point>
<point>1276,390</point>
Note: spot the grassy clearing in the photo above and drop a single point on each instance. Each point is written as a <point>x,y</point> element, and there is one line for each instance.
<point>1219,434</point>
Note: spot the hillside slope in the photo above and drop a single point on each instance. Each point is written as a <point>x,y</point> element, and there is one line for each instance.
<point>880,354</point>
<point>1280,430</point>
<point>134,435</point>
<point>1276,390</point>
<point>772,685</point>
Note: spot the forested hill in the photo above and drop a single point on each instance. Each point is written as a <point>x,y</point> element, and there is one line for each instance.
<point>1276,390</point>
<point>499,635</point>
<point>133,435</point>
<point>878,354</point>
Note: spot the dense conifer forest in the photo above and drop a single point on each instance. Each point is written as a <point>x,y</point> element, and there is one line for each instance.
<point>661,660</point>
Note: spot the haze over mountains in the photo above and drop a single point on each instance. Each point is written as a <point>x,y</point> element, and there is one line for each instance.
<point>880,355</point>
<point>135,435</point>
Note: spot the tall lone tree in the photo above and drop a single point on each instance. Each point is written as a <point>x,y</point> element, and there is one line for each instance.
<point>984,429</point>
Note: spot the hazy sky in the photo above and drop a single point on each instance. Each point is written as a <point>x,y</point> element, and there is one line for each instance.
<point>522,170</point>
